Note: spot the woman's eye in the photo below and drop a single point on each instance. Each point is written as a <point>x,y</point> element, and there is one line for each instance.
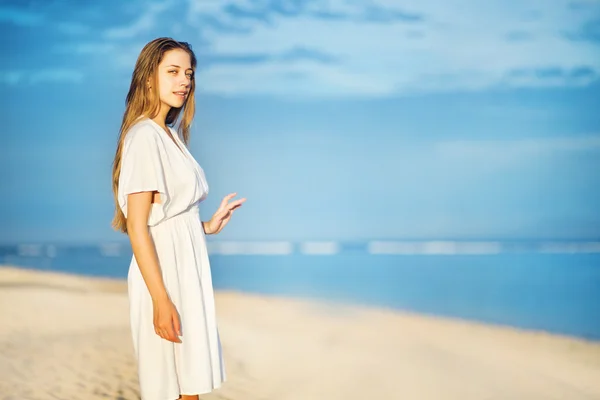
<point>171,71</point>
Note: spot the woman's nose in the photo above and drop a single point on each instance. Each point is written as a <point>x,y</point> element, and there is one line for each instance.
<point>185,81</point>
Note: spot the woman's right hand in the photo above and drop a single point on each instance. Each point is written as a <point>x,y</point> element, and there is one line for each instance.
<point>166,320</point>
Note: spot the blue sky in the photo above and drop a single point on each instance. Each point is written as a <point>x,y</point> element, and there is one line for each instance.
<point>337,120</point>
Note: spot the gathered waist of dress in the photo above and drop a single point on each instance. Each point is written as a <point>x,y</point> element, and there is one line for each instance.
<point>193,209</point>
<point>192,212</point>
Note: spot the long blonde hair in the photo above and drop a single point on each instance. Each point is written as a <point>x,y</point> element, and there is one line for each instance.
<point>138,103</point>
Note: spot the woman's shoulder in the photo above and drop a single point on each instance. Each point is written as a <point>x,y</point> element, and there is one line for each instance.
<point>142,130</point>
<point>143,124</point>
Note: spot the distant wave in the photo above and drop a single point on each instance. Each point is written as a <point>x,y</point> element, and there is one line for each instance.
<point>249,248</point>
<point>434,247</point>
<point>480,247</point>
<point>374,247</point>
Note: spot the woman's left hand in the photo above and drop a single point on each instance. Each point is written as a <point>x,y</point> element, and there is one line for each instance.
<point>223,214</point>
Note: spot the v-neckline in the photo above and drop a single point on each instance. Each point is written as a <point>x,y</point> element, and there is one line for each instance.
<point>175,141</point>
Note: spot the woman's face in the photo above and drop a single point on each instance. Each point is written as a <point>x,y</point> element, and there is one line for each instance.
<point>175,76</point>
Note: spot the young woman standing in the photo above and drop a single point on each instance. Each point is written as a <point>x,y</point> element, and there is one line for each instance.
<point>158,186</point>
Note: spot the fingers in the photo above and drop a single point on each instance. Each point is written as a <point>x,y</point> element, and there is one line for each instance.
<point>232,206</point>
<point>170,331</point>
<point>176,324</point>
<point>168,334</point>
<point>172,336</point>
<point>225,210</point>
<point>225,202</point>
<point>227,198</point>
<point>237,203</point>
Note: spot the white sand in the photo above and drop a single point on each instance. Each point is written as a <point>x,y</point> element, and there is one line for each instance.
<point>67,337</point>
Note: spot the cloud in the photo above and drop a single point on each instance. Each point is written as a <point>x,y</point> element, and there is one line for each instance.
<point>552,76</point>
<point>219,25</point>
<point>375,13</point>
<point>517,36</point>
<point>514,152</point>
<point>303,79</point>
<point>303,53</point>
<point>27,18</point>
<point>20,17</point>
<point>250,13</point>
<point>267,13</point>
<point>383,50</point>
<point>38,76</point>
<point>86,48</point>
<point>293,55</point>
<point>588,32</point>
<point>145,23</point>
<point>72,28</point>
<point>356,48</point>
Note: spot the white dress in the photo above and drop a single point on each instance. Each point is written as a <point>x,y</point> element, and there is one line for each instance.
<point>151,161</point>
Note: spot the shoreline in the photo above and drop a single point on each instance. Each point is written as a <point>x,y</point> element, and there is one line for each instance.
<point>79,281</point>
<point>67,336</point>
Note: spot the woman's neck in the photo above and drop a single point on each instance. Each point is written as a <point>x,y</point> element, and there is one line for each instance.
<point>161,117</point>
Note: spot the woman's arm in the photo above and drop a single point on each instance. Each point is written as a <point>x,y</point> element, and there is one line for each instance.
<point>138,210</point>
<point>223,214</point>
<point>165,317</point>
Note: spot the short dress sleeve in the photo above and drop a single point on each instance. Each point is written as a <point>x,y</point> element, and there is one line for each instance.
<point>142,171</point>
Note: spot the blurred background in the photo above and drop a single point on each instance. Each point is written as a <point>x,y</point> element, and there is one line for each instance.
<point>436,157</point>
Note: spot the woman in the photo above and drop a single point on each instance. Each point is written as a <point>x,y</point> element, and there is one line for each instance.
<point>158,186</point>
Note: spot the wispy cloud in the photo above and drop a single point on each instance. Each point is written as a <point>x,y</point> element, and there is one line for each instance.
<point>269,12</point>
<point>354,48</point>
<point>86,48</point>
<point>302,79</point>
<point>28,18</point>
<point>427,47</point>
<point>514,152</point>
<point>144,23</point>
<point>552,76</point>
<point>589,31</point>
<point>294,55</point>
<point>20,16</point>
<point>48,75</point>
<point>73,28</point>
<point>518,36</point>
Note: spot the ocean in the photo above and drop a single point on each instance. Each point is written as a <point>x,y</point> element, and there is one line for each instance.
<point>554,288</point>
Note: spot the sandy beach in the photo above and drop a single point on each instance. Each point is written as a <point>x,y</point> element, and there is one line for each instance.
<point>67,337</point>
